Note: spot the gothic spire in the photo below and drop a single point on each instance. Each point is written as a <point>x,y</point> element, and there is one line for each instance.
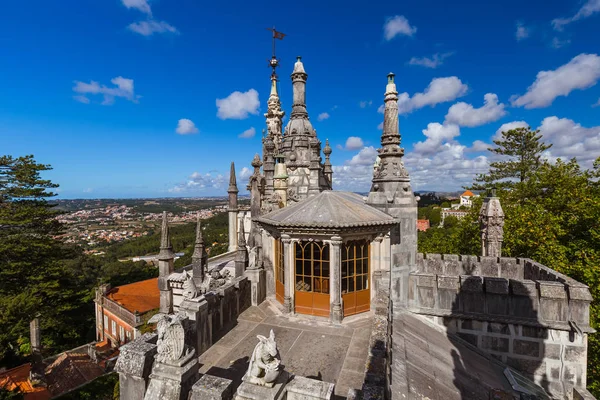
<point>166,249</point>
<point>232,181</point>
<point>299,77</point>
<point>199,249</point>
<point>390,167</point>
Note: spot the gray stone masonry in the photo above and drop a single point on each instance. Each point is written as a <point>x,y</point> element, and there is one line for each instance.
<point>250,391</point>
<point>134,366</point>
<point>377,368</point>
<point>301,388</point>
<point>521,312</point>
<point>257,278</point>
<point>173,380</point>
<point>211,387</point>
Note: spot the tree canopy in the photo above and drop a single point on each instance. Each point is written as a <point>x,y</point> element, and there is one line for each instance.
<point>520,152</point>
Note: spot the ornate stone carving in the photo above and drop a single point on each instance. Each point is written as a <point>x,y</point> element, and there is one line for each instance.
<point>265,363</point>
<point>171,337</point>
<point>189,288</point>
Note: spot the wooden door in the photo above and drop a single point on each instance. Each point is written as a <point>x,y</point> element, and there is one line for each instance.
<point>356,292</point>
<point>279,273</point>
<point>312,278</point>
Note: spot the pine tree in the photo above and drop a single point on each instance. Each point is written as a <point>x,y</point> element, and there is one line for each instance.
<point>524,149</point>
<point>33,277</point>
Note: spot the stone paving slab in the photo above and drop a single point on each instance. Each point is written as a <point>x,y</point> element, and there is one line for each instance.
<point>309,346</point>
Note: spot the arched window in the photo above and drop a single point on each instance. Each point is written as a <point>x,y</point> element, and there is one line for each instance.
<point>312,267</point>
<point>355,277</point>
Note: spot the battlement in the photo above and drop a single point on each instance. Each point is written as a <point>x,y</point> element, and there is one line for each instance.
<point>515,309</point>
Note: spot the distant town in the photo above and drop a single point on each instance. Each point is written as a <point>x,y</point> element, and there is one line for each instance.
<point>96,223</point>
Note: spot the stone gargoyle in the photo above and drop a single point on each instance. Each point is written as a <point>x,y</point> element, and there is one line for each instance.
<point>171,336</point>
<point>265,363</point>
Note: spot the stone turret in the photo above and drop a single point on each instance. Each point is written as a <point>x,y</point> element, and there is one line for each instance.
<point>166,259</point>
<point>199,257</point>
<point>392,193</point>
<point>232,208</point>
<point>274,136</point>
<point>300,147</point>
<point>491,221</point>
<point>241,255</point>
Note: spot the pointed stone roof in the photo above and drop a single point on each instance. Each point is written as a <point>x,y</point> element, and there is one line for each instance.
<point>328,209</point>
<point>232,181</point>
<point>166,248</point>
<point>199,249</point>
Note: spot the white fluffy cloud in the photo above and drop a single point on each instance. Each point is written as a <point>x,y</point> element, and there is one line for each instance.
<point>354,143</point>
<point>123,88</point>
<point>478,145</point>
<point>365,104</point>
<point>430,62</point>
<point>141,5</point>
<point>355,174</point>
<point>589,8</point>
<point>464,114</point>
<point>522,31</point>
<point>238,105</point>
<point>323,116</point>
<point>569,139</point>
<point>436,135</point>
<point>186,127</point>
<point>582,72</point>
<point>597,104</point>
<point>248,133</point>
<point>150,27</point>
<point>199,182</point>
<point>440,90</point>
<point>396,26</point>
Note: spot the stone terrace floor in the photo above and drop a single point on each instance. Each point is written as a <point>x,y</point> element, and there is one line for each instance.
<point>309,346</point>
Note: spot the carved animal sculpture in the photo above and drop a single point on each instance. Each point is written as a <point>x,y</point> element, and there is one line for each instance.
<point>265,363</point>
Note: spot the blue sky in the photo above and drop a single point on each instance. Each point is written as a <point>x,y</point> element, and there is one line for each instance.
<point>98,89</point>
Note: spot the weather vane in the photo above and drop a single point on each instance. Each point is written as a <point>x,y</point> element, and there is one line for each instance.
<point>274,62</point>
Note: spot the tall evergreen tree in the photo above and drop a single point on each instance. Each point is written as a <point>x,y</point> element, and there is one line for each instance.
<point>33,277</point>
<point>522,149</point>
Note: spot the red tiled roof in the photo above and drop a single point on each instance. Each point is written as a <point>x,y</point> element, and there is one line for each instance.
<point>65,373</point>
<point>18,378</point>
<point>468,193</point>
<point>140,296</point>
<point>70,371</point>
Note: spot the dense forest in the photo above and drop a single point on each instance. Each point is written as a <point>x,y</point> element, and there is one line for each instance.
<point>42,276</point>
<point>552,212</point>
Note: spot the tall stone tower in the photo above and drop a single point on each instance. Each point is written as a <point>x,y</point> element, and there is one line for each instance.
<point>166,259</point>
<point>300,146</point>
<point>391,192</point>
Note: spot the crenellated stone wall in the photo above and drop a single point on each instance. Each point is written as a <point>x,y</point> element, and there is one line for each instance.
<point>534,319</point>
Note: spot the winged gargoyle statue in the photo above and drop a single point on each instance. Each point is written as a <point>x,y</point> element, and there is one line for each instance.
<point>171,336</point>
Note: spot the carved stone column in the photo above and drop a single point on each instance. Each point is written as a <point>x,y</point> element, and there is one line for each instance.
<point>376,266</point>
<point>491,221</point>
<point>288,279</point>
<point>335,296</point>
